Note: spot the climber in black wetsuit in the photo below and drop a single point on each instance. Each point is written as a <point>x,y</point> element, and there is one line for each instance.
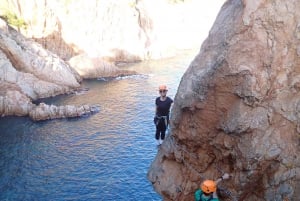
<point>163,104</point>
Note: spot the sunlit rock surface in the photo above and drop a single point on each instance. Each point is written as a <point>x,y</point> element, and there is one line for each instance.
<point>31,67</point>
<point>29,72</point>
<point>89,67</point>
<point>92,37</point>
<point>127,30</point>
<point>45,112</point>
<point>237,109</point>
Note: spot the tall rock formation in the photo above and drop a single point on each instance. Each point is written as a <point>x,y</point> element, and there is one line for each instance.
<point>237,109</point>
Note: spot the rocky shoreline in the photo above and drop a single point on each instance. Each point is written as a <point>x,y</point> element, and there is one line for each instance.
<point>29,72</point>
<point>57,47</point>
<point>45,112</point>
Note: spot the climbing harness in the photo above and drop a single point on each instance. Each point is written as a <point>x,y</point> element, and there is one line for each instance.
<point>157,119</point>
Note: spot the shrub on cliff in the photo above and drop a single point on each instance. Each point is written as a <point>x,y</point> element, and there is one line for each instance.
<point>13,20</point>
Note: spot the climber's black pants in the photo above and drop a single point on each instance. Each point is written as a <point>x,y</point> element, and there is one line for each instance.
<point>161,127</point>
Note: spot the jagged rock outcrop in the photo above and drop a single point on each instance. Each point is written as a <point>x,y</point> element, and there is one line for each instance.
<point>237,109</point>
<point>31,67</point>
<point>45,112</point>
<point>29,72</point>
<point>13,102</point>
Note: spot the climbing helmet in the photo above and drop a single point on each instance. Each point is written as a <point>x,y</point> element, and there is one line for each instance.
<point>162,87</point>
<point>208,186</point>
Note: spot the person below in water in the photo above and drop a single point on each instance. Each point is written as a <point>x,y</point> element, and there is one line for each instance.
<point>163,104</point>
<point>208,189</point>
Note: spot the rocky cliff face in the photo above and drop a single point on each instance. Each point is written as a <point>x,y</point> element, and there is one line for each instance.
<point>237,109</point>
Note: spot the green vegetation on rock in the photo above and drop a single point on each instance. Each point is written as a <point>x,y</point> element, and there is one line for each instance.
<point>13,20</point>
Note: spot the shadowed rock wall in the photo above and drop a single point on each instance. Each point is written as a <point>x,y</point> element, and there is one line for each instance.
<point>237,109</point>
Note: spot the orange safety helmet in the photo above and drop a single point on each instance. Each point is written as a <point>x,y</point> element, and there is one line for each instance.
<point>208,186</point>
<point>162,87</point>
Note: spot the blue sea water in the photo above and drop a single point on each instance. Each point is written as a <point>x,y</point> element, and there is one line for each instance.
<point>104,156</point>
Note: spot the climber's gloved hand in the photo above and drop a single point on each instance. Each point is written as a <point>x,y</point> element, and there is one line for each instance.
<point>225,176</point>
